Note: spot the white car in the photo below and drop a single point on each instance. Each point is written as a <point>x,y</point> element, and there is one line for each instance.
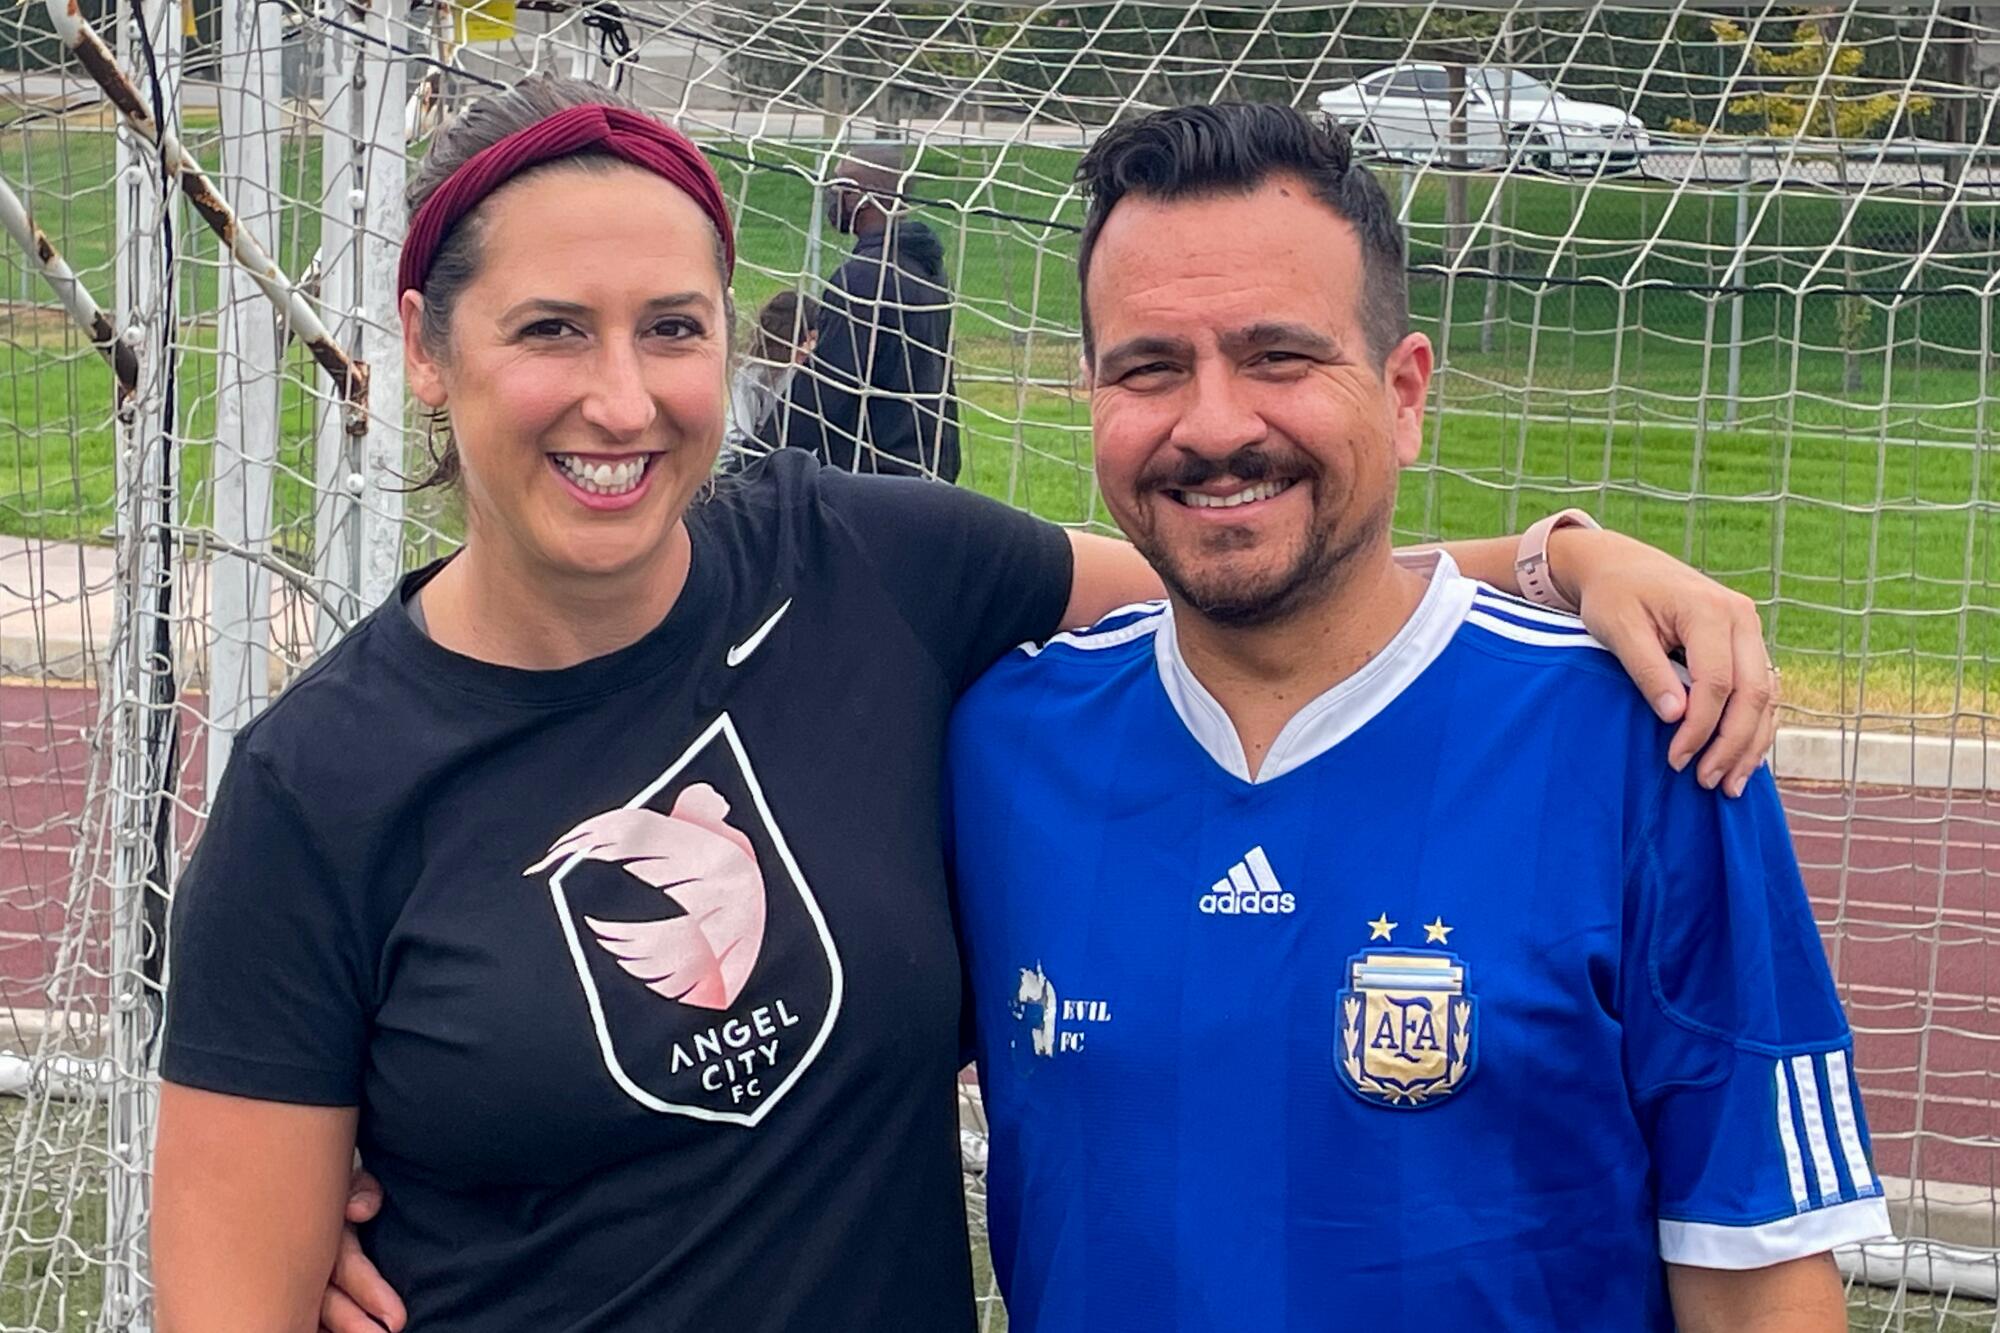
<point>1405,112</point>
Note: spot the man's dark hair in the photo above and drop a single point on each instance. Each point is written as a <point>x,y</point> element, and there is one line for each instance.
<point>1232,148</point>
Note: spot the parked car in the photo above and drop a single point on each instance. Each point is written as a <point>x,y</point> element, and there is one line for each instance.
<point>1404,112</point>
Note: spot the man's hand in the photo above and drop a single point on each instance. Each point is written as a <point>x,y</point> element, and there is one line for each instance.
<point>1642,604</point>
<point>358,1299</point>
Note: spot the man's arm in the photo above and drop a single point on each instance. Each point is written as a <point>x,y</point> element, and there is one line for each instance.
<point>1802,1296</point>
<point>1738,1060</point>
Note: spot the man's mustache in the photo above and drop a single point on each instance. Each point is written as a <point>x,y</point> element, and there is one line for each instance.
<point>1250,464</point>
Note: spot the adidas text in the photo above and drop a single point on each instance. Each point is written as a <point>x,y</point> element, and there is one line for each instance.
<point>1247,904</point>
<point>1250,888</point>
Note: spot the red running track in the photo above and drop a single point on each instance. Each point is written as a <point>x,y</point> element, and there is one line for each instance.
<point>45,769</point>
<point>1906,887</point>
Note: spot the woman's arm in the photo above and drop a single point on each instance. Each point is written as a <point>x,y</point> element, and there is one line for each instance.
<point>1108,573</point>
<point>1642,604</point>
<point>247,1203</point>
<point>1639,602</point>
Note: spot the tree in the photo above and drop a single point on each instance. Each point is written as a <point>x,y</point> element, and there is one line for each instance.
<point>1812,90</point>
<point>1819,92</point>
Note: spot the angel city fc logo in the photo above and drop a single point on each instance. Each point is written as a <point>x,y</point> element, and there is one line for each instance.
<point>711,978</point>
<point>1406,1021</point>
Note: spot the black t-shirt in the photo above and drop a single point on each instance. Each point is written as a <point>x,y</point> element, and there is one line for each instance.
<point>877,394</point>
<point>641,972</point>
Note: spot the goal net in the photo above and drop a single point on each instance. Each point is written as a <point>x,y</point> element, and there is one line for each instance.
<point>1726,278</point>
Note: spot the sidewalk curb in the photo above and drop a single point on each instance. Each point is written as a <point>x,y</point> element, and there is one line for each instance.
<point>1887,759</point>
<point>1802,754</point>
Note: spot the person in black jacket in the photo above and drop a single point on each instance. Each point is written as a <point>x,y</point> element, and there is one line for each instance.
<point>877,395</point>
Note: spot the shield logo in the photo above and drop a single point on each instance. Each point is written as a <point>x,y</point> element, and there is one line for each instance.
<point>710,976</point>
<point>1406,1037</point>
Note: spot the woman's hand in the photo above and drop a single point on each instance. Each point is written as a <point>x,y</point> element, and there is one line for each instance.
<point>358,1298</point>
<point>1643,604</point>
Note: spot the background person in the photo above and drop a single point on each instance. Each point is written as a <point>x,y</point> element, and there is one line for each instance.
<point>781,340</point>
<point>877,395</point>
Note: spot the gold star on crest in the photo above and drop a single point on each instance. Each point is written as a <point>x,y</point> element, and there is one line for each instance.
<point>1435,931</point>
<point>1379,928</point>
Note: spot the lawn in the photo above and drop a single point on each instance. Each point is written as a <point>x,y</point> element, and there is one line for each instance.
<point>51,1217</point>
<point>1850,496</point>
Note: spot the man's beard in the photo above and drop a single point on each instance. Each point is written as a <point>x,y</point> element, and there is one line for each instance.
<point>1314,573</point>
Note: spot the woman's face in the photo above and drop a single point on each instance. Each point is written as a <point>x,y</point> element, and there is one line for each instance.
<point>586,372</point>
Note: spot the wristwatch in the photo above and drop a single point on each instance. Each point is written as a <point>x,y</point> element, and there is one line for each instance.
<point>1531,559</point>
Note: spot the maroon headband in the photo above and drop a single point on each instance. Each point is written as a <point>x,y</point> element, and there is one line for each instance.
<point>631,135</point>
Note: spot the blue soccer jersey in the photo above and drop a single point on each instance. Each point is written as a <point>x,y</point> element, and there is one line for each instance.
<point>1465,1013</point>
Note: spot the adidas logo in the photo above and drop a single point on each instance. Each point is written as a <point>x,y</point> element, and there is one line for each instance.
<point>1251,889</point>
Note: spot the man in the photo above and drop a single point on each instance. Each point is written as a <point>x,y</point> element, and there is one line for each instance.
<point>877,394</point>
<point>1343,953</point>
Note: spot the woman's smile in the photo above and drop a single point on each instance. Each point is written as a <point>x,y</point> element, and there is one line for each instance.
<point>604,481</point>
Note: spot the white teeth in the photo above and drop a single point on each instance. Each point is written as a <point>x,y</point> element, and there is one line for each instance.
<point>1263,490</point>
<point>602,478</point>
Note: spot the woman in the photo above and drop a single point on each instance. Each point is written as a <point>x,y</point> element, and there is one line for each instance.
<point>592,885</point>
<point>781,340</point>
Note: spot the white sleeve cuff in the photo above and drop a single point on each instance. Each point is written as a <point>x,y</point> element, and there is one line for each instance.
<point>1711,1245</point>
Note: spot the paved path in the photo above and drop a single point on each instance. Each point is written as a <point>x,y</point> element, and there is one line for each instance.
<point>57,609</point>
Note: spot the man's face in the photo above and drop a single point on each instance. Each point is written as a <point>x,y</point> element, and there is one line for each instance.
<point>1245,440</point>
<point>843,201</point>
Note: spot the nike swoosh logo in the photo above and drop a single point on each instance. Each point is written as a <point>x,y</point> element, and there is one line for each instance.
<point>741,652</point>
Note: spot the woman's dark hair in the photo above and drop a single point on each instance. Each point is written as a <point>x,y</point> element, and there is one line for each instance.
<point>782,324</point>
<point>480,126</point>
<point>1232,148</point>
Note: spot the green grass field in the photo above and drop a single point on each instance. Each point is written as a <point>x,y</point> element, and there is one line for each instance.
<point>1861,514</point>
<point>55,1204</point>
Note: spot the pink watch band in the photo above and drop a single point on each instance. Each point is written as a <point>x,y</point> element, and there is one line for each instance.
<point>1531,559</point>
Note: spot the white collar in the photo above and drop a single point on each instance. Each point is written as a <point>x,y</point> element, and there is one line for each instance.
<point>1342,710</point>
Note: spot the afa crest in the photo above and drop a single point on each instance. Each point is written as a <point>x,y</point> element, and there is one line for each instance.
<point>1405,1024</point>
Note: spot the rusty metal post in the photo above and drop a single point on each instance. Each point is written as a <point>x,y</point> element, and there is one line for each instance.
<point>349,375</point>
<point>69,289</point>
